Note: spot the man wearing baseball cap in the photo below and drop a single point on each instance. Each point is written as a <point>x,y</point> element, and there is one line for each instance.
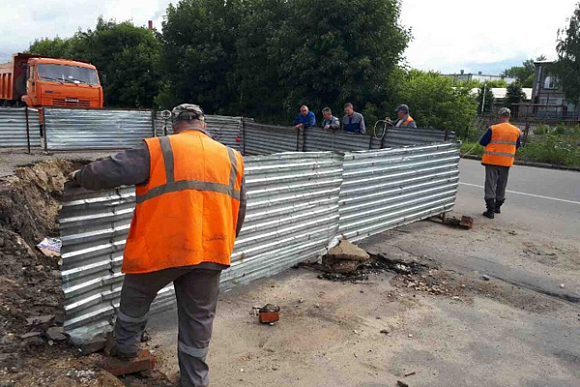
<point>190,207</point>
<point>405,120</point>
<point>501,142</point>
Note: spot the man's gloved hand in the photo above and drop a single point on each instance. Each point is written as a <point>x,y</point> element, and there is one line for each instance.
<point>71,179</point>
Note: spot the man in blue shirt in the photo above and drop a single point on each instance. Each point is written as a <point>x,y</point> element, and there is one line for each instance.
<point>352,121</point>
<point>306,119</point>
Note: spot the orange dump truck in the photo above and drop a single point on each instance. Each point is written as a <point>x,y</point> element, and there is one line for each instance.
<point>38,81</point>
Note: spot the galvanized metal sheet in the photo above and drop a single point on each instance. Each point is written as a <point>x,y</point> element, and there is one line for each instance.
<point>225,129</point>
<point>292,215</point>
<point>397,137</point>
<point>74,129</point>
<point>268,139</point>
<point>388,188</point>
<point>13,128</point>
<point>316,139</point>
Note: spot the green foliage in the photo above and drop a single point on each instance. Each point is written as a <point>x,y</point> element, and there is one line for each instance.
<point>487,102</point>
<point>567,68</point>
<point>56,47</point>
<point>125,55</point>
<point>472,148</point>
<point>436,102</point>
<point>515,94</point>
<point>524,73</point>
<point>553,150</point>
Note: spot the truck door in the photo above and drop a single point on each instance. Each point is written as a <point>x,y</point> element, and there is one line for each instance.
<point>31,85</point>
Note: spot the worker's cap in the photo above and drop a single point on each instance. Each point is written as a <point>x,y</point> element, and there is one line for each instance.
<point>187,112</point>
<point>402,108</point>
<point>506,112</point>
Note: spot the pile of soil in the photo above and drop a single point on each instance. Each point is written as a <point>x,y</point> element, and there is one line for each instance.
<point>33,347</point>
<point>30,282</point>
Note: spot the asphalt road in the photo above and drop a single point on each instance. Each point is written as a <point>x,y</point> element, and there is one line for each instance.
<point>546,198</point>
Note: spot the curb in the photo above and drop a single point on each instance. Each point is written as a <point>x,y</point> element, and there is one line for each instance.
<point>533,164</point>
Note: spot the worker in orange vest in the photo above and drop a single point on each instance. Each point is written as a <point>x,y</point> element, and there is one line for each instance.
<point>190,207</point>
<point>501,142</point>
<point>404,118</point>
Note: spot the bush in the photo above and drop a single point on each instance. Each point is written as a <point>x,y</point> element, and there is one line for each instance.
<point>553,150</point>
<point>472,148</point>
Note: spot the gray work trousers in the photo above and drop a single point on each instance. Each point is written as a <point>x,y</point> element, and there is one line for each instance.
<point>197,295</point>
<point>496,179</point>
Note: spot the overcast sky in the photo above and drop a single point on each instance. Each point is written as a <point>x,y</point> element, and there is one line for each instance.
<point>448,35</point>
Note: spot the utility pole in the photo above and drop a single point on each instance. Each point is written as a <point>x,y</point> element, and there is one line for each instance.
<point>483,100</point>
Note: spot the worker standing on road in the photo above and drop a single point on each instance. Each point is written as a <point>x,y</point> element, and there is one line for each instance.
<point>190,206</point>
<point>501,142</point>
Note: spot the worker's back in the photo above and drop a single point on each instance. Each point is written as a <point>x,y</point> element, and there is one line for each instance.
<point>187,212</point>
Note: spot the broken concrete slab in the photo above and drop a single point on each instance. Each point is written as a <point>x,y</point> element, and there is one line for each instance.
<point>40,320</point>
<point>348,251</point>
<point>56,334</point>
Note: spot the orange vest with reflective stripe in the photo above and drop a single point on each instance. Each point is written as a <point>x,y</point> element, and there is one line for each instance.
<point>408,121</point>
<point>187,213</point>
<point>501,150</point>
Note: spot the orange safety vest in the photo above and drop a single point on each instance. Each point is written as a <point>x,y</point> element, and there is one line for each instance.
<point>405,123</point>
<point>501,150</point>
<point>187,213</point>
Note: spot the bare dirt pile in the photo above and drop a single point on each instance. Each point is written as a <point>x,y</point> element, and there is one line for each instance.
<point>30,284</point>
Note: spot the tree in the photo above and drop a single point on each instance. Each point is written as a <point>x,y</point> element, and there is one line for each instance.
<point>524,73</point>
<point>514,95</point>
<point>126,56</point>
<point>567,68</point>
<point>329,52</point>
<point>487,101</point>
<point>199,39</point>
<point>437,102</point>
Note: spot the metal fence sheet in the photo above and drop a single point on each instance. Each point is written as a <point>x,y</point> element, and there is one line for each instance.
<point>225,129</point>
<point>397,137</point>
<point>316,139</point>
<point>292,215</point>
<point>13,128</point>
<point>388,188</point>
<point>268,139</point>
<point>74,129</point>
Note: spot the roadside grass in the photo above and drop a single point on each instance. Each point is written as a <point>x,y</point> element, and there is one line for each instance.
<point>558,145</point>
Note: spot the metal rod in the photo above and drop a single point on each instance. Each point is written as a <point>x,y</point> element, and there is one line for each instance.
<point>27,129</point>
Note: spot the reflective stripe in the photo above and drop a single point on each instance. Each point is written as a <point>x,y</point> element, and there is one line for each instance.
<point>167,159</point>
<point>503,142</point>
<point>200,353</point>
<point>499,154</point>
<point>182,185</point>
<point>233,168</point>
<point>123,317</point>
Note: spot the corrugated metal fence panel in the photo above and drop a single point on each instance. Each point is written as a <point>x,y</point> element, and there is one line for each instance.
<point>292,213</point>
<point>397,137</point>
<point>13,127</point>
<point>388,188</point>
<point>292,216</point>
<point>267,139</point>
<point>225,129</point>
<point>73,129</point>
<point>316,139</point>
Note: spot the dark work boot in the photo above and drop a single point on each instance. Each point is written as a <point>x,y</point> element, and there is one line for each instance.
<point>490,204</point>
<point>498,204</point>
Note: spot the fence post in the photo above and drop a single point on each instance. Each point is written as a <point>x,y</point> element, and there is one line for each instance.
<point>27,128</point>
<point>153,116</point>
<point>243,136</point>
<point>446,136</point>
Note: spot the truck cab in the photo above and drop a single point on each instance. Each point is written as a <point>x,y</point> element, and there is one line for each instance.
<point>40,81</point>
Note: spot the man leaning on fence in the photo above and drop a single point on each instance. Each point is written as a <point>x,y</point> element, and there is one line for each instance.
<point>352,121</point>
<point>330,122</point>
<point>501,142</point>
<point>190,206</point>
<point>305,119</point>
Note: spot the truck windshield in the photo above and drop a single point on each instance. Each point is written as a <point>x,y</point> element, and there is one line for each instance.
<point>70,74</point>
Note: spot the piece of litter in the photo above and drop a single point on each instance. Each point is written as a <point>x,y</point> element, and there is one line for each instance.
<point>401,384</point>
<point>385,331</point>
<point>485,277</point>
<point>410,335</point>
<point>50,247</point>
<point>410,374</point>
<point>562,286</point>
